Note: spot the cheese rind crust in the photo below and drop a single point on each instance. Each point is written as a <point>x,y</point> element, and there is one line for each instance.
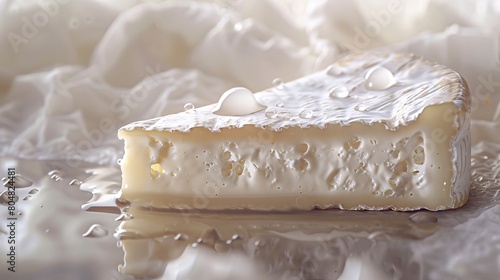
<point>408,149</point>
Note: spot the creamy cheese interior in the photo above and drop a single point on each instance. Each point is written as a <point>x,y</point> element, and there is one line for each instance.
<point>403,147</point>
<point>355,167</point>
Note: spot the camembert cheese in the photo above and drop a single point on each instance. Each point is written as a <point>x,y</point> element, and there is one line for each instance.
<point>373,131</point>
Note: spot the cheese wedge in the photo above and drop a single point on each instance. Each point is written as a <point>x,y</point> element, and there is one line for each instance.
<point>373,131</point>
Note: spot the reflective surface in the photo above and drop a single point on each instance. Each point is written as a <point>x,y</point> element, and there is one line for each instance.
<point>56,236</point>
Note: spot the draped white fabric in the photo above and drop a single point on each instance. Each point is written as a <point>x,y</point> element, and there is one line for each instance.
<point>73,72</point>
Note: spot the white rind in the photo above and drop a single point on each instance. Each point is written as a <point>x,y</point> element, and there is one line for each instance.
<point>461,156</point>
<point>421,83</point>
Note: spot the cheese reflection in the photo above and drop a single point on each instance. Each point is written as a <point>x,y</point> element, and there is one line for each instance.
<point>277,245</point>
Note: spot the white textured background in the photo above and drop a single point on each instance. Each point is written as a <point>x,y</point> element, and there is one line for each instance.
<point>73,72</point>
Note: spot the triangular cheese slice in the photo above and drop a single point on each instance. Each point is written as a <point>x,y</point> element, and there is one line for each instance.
<point>373,131</point>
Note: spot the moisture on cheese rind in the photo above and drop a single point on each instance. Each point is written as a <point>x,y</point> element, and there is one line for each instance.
<point>408,148</point>
<point>421,83</point>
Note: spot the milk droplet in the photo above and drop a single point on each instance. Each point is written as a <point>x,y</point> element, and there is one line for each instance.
<point>235,236</point>
<point>271,113</point>
<point>340,92</point>
<point>306,114</point>
<point>238,101</point>
<point>423,217</point>
<point>188,106</point>
<point>278,83</point>
<point>75,182</point>
<point>333,70</point>
<point>287,116</point>
<point>279,104</point>
<point>360,108</point>
<point>379,78</point>
<point>95,230</point>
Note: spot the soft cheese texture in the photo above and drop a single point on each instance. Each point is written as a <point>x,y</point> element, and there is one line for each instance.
<point>326,140</point>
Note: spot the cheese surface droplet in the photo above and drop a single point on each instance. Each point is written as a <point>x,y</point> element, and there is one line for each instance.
<point>379,78</point>
<point>188,106</point>
<point>306,114</point>
<point>278,83</point>
<point>237,101</point>
<point>340,92</point>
